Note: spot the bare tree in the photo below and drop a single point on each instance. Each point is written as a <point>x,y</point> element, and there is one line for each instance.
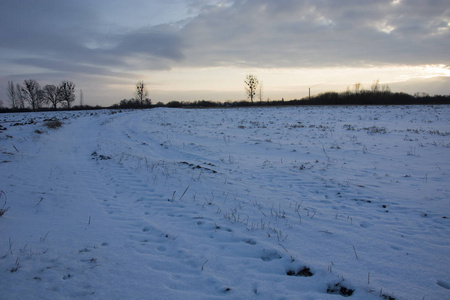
<point>66,92</point>
<point>141,92</point>
<point>12,95</point>
<point>20,97</point>
<point>251,84</point>
<point>421,95</point>
<point>51,95</point>
<point>32,93</point>
<point>358,87</point>
<point>375,87</point>
<point>385,88</point>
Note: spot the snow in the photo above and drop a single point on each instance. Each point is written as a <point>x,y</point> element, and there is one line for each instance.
<point>224,203</point>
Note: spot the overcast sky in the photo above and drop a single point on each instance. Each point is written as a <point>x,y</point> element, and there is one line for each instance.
<point>202,49</point>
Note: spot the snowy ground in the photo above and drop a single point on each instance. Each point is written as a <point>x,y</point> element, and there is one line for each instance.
<point>250,203</point>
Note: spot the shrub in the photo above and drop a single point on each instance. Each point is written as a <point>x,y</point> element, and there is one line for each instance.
<point>53,123</point>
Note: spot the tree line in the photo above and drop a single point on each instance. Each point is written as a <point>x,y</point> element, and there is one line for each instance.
<point>140,101</point>
<point>252,88</point>
<point>31,95</point>
<point>379,94</point>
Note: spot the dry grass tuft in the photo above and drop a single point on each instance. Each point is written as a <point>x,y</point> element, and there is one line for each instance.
<point>53,123</point>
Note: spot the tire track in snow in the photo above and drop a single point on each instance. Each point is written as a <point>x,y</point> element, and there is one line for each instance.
<point>184,241</point>
<point>141,215</point>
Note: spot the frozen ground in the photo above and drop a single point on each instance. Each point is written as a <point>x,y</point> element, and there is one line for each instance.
<point>251,203</point>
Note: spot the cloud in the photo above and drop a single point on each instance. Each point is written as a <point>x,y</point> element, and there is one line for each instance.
<point>319,33</point>
<point>74,33</point>
<point>68,67</point>
<point>116,40</point>
<point>245,33</point>
<point>159,41</point>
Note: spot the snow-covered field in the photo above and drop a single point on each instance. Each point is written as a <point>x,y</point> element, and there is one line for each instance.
<point>249,203</point>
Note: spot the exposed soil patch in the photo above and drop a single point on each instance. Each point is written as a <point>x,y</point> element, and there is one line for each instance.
<point>303,272</point>
<point>193,166</point>
<point>338,288</point>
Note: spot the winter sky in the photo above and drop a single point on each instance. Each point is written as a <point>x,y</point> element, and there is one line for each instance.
<point>202,49</point>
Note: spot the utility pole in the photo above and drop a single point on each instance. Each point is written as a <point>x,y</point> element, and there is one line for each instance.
<point>81,98</point>
<point>309,97</point>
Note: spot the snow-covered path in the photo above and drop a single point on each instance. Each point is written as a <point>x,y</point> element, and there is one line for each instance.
<point>225,203</point>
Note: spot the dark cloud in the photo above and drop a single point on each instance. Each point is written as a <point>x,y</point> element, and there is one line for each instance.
<point>67,67</point>
<point>159,41</point>
<point>73,33</point>
<point>43,25</point>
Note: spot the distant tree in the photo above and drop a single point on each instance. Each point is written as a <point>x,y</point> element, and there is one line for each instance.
<point>421,95</point>
<point>347,92</point>
<point>141,92</point>
<point>51,95</point>
<point>385,88</point>
<point>66,92</point>
<point>32,93</point>
<point>20,97</point>
<point>130,103</point>
<point>251,83</point>
<point>358,88</point>
<point>12,94</point>
<point>147,102</point>
<point>375,87</point>
<point>174,104</point>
